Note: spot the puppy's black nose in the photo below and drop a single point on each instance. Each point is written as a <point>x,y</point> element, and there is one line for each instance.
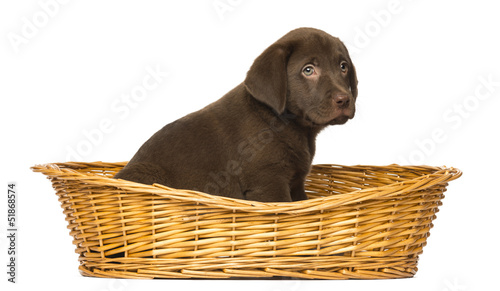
<point>342,100</point>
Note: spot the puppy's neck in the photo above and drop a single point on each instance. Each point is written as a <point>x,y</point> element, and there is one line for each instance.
<point>300,123</point>
<point>286,121</point>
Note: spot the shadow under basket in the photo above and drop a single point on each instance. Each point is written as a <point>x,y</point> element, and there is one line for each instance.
<point>360,222</point>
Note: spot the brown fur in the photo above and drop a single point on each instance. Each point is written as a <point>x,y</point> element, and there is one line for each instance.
<point>257,142</point>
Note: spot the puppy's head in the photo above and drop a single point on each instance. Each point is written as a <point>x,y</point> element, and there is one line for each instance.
<point>309,73</point>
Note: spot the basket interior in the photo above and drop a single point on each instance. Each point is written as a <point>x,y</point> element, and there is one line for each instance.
<point>322,181</point>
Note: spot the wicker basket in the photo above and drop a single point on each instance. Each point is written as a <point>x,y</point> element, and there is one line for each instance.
<point>362,222</point>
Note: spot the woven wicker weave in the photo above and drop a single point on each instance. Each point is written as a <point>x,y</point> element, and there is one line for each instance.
<point>362,222</point>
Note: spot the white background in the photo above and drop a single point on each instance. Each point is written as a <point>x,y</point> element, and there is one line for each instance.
<point>66,67</point>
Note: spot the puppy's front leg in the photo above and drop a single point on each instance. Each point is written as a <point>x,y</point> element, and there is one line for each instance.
<point>297,191</point>
<point>269,190</point>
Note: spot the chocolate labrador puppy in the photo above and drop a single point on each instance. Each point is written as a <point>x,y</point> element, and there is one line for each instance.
<point>257,142</point>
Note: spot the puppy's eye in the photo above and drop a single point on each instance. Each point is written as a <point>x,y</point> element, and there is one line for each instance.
<point>308,70</point>
<point>343,67</point>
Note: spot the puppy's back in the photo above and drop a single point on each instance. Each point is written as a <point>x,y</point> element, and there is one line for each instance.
<point>190,152</point>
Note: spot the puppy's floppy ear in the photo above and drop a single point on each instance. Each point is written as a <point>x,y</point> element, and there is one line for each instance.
<point>353,79</point>
<point>267,79</point>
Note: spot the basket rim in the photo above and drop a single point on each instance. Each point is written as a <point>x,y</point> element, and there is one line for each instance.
<point>438,175</point>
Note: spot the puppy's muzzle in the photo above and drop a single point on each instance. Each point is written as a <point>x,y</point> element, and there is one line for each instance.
<point>341,100</point>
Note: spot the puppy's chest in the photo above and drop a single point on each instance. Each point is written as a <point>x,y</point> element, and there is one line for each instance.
<point>301,151</point>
